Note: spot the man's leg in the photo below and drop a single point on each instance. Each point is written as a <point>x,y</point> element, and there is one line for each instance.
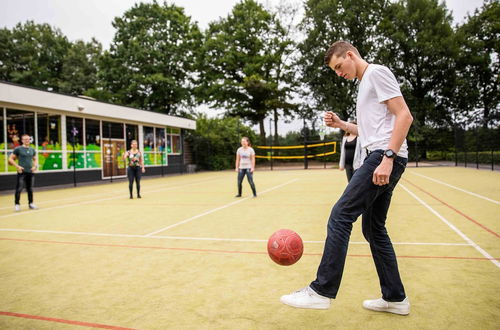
<point>28,180</point>
<point>19,188</point>
<point>393,293</point>
<point>382,250</point>
<point>357,197</point>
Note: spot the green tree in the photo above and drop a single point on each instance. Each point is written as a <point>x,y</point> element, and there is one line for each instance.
<point>151,61</point>
<point>33,54</point>
<point>479,65</point>
<point>326,21</point>
<point>418,43</point>
<point>243,68</point>
<point>79,69</point>
<point>215,141</point>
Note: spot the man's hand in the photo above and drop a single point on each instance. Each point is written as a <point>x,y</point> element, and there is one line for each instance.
<point>383,172</point>
<point>20,169</point>
<point>332,120</point>
<point>33,169</point>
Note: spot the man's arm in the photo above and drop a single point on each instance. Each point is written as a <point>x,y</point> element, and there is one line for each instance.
<point>332,120</point>
<point>398,107</point>
<point>237,162</point>
<point>34,165</point>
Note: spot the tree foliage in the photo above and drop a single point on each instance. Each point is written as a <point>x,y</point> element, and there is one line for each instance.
<point>215,141</point>
<point>243,64</point>
<point>325,22</point>
<point>151,61</point>
<point>479,40</point>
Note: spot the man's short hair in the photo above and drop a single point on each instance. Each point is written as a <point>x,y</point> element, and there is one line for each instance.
<point>339,49</point>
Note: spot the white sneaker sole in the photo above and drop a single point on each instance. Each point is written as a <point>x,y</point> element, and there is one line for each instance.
<point>388,310</point>
<point>312,306</point>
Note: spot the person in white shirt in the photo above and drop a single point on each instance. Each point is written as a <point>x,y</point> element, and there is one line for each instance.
<point>351,154</point>
<point>245,165</point>
<point>383,123</point>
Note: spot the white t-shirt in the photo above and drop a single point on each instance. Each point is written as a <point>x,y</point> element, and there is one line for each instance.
<point>375,121</point>
<point>245,157</point>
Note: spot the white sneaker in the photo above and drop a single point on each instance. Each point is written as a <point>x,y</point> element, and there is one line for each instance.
<point>380,305</point>
<point>17,208</point>
<point>306,298</point>
<point>33,206</point>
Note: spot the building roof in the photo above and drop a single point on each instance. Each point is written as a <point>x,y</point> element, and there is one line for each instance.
<point>23,97</point>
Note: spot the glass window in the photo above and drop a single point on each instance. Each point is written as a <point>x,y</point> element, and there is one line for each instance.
<point>74,133</point>
<point>149,138</point>
<point>169,143</point>
<point>112,130</point>
<point>176,144</point>
<point>132,133</point>
<point>149,145</point>
<point>48,161</point>
<point>74,136</point>
<point>92,135</point>
<point>3,146</point>
<point>160,147</point>
<point>18,123</point>
<point>49,132</point>
<point>49,142</point>
<point>92,157</point>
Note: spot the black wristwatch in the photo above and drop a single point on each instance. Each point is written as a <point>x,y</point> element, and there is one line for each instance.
<point>389,153</point>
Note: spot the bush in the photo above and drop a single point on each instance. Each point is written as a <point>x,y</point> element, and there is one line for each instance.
<point>215,141</point>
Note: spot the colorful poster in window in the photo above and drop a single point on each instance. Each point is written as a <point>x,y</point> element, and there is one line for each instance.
<point>19,122</point>
<point>78,157</point>
<point>49,132</point>
<point>50,161</point>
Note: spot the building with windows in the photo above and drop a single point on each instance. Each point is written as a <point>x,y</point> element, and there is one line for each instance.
<point>80,139</point>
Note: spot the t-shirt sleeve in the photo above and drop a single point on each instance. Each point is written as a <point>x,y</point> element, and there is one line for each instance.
<point>16,152</point>
<point>252,152</point>
<point>385,84</point>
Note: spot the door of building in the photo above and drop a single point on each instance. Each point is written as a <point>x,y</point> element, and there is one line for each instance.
<point>113,163</point>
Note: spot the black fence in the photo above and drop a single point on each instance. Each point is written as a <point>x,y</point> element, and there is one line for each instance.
<point>475,147</point>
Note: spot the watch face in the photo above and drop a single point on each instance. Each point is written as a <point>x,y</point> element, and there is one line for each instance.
<point>389,153</point>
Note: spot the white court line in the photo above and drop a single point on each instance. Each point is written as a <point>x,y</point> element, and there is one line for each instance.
<point>106,193</point>
<point>244,240</point>
<point>455,229</point>
<point>96,200</point>
<point>217,209</point>
<point>457,188</point>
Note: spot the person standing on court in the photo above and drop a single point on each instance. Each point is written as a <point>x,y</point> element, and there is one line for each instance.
<point>351,157</point>
<point>383,123</point>
<point>26,168</point>
<point>135,168</point>
<point>245,165</point>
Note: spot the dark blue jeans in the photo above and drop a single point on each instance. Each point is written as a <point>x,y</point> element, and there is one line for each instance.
<point>241,175</point>
<point>24,180</point>
<point>362,197</point>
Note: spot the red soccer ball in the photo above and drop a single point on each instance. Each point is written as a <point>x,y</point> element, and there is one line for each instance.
<point>285,247</point>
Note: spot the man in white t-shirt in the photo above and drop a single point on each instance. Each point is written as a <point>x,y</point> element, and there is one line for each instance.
<point>383,121</point>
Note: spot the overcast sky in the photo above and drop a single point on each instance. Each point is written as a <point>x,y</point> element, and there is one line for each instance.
<point>84,19</point>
